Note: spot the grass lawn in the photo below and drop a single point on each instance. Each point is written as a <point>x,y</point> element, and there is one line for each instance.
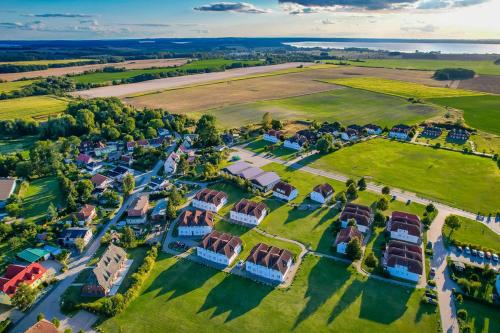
<point>475,233</point>
<point>22,144</point>
<point>401,88</point>
<point>481,112</point>
<point>181,295</point>
<point>259,146</point>
<point>6,87</point>
<point>464,181</point>
<point>374,246</point>
<point>481,318</point>
<point>44,62</point>
<point>41,192</point>
<point>485,142</point>
<point>443,142</point>
<point>33,107</point>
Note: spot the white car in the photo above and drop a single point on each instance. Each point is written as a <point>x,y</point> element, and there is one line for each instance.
<point>481,254</point>
<point>467,250</point>
<point>495,257</point>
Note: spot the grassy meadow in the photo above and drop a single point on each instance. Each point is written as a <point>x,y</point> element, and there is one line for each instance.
<point>464,181</point>
<point>18,145</point>
<point>481,318</point>
<point>401,88</point>
<point>474,232</point>
<point>181,295</point>
<point>33,107</point>
<point>7,87</point>
<point>40,193</point>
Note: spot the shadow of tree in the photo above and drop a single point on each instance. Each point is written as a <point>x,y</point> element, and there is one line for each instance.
<point>348,297</point>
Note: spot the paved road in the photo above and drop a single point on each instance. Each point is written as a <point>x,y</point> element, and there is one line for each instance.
<point>49,306</point>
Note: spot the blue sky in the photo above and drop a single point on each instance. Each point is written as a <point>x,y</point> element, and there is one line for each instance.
<point>91,19</point>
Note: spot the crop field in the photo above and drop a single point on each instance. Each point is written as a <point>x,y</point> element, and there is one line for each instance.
<point>481,112</point>
<point>44,62</point>
<point>6,87</point>
<point>325,296</point>
<point>401,88</point>
<point>41,192</point>
<point>479,66</point>
<point>464,181</point>
<point>485,83</point>
<point>33,107</point>
<point>475,233</point>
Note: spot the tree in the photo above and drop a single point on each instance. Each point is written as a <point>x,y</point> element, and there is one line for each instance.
<point>379,219</point>
<point>349,182</point>
<point>207,131</point>
<point>79,244</point>
<point>40,316</point>
<point>452,222</point>
<point>84,188</point>
<point>277,124</point>
<point>362,183</point>
<point>175,196</point>
<point>325,143</point>
<point>209,171</point>
<point>383,203</point>
<point>171,211</point>
<point>351,223</point>
<point>352,192</point>
<point>353,250</point>
<point>430,208</point>
<point>386,190</point>
<point>24,297</point>
<point>183,165</point>
<point>13,209</point>
<point>15,243</point>
<point>51,213</point>
<point>128,239</point>
<point>371,260</point>
<point>341,197</point>
<point>267,121</point>
<point>128,184</point>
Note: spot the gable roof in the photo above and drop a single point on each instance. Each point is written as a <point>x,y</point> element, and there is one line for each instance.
<point>6,188</point>
<point>210,196</point>
<point>248,207</point>
<point>198,218</point>
<point>348,234</point>
<point>360,213</point>
<point>84,158</point>
<point>98,179</point>
<point>32,255</point>
<point>324,189</point>
<point>139,206</point>
<point>283,188</point>
<point>86,211</point>
<point>43,326</point>
<point>271,257</point>
<point>221,243</point>
<point>107,266</point>
<point>17,274</point>
<point>74,232</point>
<point>404,254</point>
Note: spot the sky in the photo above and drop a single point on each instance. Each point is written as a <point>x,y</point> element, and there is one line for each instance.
<point>113,19</point>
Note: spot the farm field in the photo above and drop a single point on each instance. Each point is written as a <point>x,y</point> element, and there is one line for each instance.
<point>476,233</point>
<point>45,62</point>
<point>464,181</point>
<point>325,296</point>
<point>482,318</point>
<point>485,83</point>
<point>7,87</point>
<point>33,107</point>
<point>40,193</point>
<point>401,88</point>
<point>481,112</point>
<point>479,66</point>
<point>20,145</point>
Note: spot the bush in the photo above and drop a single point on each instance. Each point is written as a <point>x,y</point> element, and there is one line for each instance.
<point>371,260</point>
<point>453,74</point>
<point>386,190</point>
<point>462,314</point>
<point>383,204</point>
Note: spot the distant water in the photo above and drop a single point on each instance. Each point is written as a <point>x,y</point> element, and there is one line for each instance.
<point>406,47</point>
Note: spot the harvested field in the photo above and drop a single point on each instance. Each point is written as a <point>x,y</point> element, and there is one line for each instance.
<point>44,62</point>
<point>485,83</point>
<point>132,64</point>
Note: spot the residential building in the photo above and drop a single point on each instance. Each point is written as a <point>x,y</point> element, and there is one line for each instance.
<point>158,184</point>
<point>406,227</point>
<point>220,248</point>
<point>297,142</point>
<point>159,211</point>
<point>322,193</point>
<point>119,172</point>
<point>195,223</point>
<point>32,275</point>
<point>43,326</point>
<point>403,260</point>
<point>101,182</point>
<point>249,212</point>
<point>310,135</point>
<point>400,132</point>
<point>127,159</point>
<point>361,214</point>
<point>273,136</point>
<point>7,187</point>
<point>372,129</point>
<point>207,199</point>
<point>33,255</point>
<point>431,132</point>
<point>86,214</point>
<point>285,191</point>
<point>350,134</point>
<point>70,235</point>
<point>171,163</point>
<point>458,135</point>
<point>260,179</point>
<point>105,274</point>
<point>138,210</point>
<point>345,236</point>
<point>105,150</point>
<point>84,159</point>
<point>131,146</point>
<point>269,262</point>
<point>330,128</point>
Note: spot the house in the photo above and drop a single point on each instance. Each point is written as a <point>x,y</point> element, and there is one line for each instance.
<point>322,193</point>
<point>43,326</point>
<point>157,142</point>
<point>350,135</point>
<point>118,173</point>
<point>458,135</point>
<point>269,262</point>
<point>33,255</point>
<point>260,179</point>
<point>137,213</point>
<point>70,235</point>
<point>372,129</point>
<point>101,182</point>
<point>400,132</point>
<point>310,135</point>
<point>106,273</point>
<point>105,150</point>
<point>403,260</point>
<point>272,136</point>
<point>249,212</point>
<point>127,160</point>
<point>84,159</point>
<point>158,184</point>
<point>159,211</point>
<point>345,236</point>
<point>431,132</point>
<point>7,187</point>
<point>297,142</point>
<point>220,248</point>
<point>86,214</point>
<point>406,227</point>
<point>170,165</point>
<point>164,132</point>
<point>131,146</point>
<point>285,191</point>
<point>361,214</point>
<point>330,128</point>
<point>195,223</point>
<point>32,275</point>
<point>207,199</point>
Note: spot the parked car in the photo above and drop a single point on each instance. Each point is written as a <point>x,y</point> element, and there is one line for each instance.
<point>408,202</point>
<point>430,295</point>
<point>495,257</point>
<point>488,255</point>
<point>481,254</point>
<point>467,250</point>
<point>474,252</point>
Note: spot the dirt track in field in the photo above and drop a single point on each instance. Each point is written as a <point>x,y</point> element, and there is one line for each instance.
<point>132,64</point>
<point>485,83</point>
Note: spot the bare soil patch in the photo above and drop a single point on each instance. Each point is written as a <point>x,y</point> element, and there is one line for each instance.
<point>484,83</point>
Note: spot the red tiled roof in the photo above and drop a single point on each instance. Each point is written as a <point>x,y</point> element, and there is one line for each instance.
<point>324,189</point>
<point>404,254</point>
<point>198,218</point>
<point>6,185</point>
<point>270,257</point>
<point>283,188</point>
<point>86,211</point>
<point>43,326</point>
<point>210,196</point>
<point>348,234</point>
<point>221,243</point>
<point>84,158</point>
<point>17,274</point>
<point>139,206</point>
<point>400,225</point>
<point>248,207</point>
<point>362,214</point>
<point>98,179</point>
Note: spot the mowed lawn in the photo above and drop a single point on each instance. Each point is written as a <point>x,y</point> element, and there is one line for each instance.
<point>41,192</point>
<point>401,88</point>
<point>475,233</point>
<point>7,87</point>
<point>481,318</point>
<point>464,181</point>
<point>183,296</point>
<point>481,112</point>
<point>34,107</point>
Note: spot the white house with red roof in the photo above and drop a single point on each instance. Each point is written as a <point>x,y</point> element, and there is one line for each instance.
<point>220,248</point>
<point>101,182</point>
<point>345,236</point>
<point>195,223</point>
<point>403,260</point>
<point>207,199</point>
<point>272,136</point>
<point>249,212</point>
<point>322,193</point>
<point>86,214</point>
<point>405,226</point>
<point>170,165</point>
<point>269,262</point>
<point>32,275</point>
<point>285,191</point>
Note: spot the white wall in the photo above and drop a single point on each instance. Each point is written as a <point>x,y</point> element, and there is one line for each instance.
<point>217,257</point>
<point>404,236</point>
<point>208,206</point>
<point>341,248</point>
<point>249,219</point>
<point>292,196</point>
<point>403,273</point>
<point>194,231</point>
<point>318,197</point>
<point>265,272</point>
<point>270,138</point>
<point>292,145</point>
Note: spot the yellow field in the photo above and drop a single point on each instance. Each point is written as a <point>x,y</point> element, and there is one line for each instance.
<point>34,107</point>
<point>6,87</point>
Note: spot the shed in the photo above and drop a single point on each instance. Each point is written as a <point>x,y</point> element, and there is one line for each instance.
<point>32,255</point>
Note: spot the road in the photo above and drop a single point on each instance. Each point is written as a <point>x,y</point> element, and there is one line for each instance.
<point>49,305</point>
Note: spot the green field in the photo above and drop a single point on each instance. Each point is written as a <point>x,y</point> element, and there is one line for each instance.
<point>486,142</point>
<point>211,64</point>
<point>475,233</point>
<point>481,112</point>
<point>481,318</point>
<point>20,145</point>
<point>259,146</point>
<point>464,181</point>
<point>45,62</point>
<point>34,107</point>
<point>41,192</point>
<point>401,88</point>
<point>7,87</point>
<point>479,66</point>
<point>326,296</point>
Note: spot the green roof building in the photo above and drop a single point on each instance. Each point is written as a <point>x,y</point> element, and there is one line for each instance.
<point>33,255</point>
